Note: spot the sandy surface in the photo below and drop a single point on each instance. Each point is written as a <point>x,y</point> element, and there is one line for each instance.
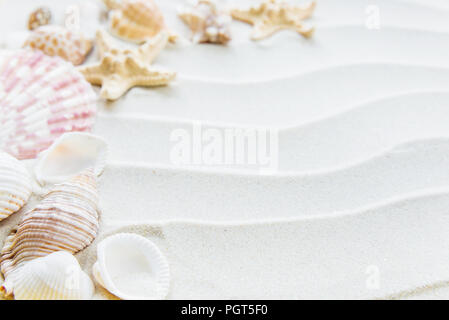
<point>359,204</point>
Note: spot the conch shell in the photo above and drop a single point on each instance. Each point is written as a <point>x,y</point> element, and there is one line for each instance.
<point>132,267</point>
<point>65,220</point>
<point>15,185</point>
<point>57,276</point>
<point>58,41</point>
<point>135,20</point>
<point>207,23</point>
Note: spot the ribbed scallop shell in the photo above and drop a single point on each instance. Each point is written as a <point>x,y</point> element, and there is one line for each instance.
<point>41,97</point>
<point>136,20</point>
<point>15,185</point>
<point>57,276</point>
<point>132,267</point>
<point>55,40</point>
<point>66,219</point>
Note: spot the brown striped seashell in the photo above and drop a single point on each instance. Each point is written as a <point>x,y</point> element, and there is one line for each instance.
<point>65,220</point>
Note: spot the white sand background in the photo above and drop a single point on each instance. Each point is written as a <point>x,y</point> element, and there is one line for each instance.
<point>359,206</point>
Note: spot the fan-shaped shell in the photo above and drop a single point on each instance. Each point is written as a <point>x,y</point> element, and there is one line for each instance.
<point>57,276</point>
<point>136,20</point>
<point>132,267</point>
<point>41,97</point>
<point>70,154</point>
<point>55,40</point>
<point>66,219</point>
<point>15,185</point>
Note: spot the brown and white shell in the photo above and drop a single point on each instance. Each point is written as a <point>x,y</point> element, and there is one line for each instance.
<point>39,17</point>
<point>135,20</point>
<point>65,220</point>
<point>208,24</point>
<point>59,41</point>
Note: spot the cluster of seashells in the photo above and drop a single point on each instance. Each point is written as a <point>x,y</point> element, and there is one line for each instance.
<point>46,109</point>
<point>142,22</point>
<point>37,259</point>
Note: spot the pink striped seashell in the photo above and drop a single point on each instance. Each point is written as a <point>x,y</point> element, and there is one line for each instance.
<point>41,98</point>
<point>67,219</point>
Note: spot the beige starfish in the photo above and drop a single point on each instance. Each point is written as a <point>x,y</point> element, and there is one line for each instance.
<point>121,69</point>
<point>272,16</point>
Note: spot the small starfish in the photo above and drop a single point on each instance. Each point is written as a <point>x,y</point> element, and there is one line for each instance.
<point>121,69</point>
<point>271,16</point>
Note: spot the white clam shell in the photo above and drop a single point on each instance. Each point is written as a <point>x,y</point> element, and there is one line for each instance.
<point>70,154</point>
<point>132,267</point>
<point>41,98</point>
<point>57,276</point>
<point>15,185</point>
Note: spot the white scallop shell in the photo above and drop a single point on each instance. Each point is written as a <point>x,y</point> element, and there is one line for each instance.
<point>41,98</point>
<point>132,267</point>
<point>15,185</point>
<point>57,276</point>
<point>66,219</point>
<point>70,154</point>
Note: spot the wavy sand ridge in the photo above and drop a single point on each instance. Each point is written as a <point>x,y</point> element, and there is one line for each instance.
<point>173,193</point>
<point>334,141</point>
<point>358,254</point>
<point>278,102</point>
<point>362,188</point>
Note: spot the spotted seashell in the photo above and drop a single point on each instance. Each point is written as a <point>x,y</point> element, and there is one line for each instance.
<point>208,24</point>
<point>15,185</point>
<point>39,17</point>
<point>65,220</point>
<point>57,276</point>
<point>58,41</point>
<point>41,98</point>
<point>136,20</point>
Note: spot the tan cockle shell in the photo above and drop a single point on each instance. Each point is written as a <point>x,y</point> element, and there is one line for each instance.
<point>65,220</point>
<point>135,20</point>
<point>207,23</point>
<point>58,41</point>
